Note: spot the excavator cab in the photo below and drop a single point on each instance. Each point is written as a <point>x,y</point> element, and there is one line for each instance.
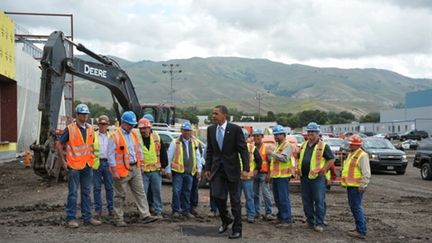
<point>162,113</point>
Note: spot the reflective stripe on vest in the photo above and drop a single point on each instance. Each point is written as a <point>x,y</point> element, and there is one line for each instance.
<point>96,146</point>
<point>317,161</point>
<point>265,163</point>
<point>78,153</point>
<point>152,154</point>
<point>280,169</point>
<point>122,156</point>
<point>177,164</point>
<point>351,173</point>
<point>252,164</point>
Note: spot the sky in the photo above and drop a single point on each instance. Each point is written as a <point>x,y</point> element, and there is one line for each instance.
<point>387,34</point>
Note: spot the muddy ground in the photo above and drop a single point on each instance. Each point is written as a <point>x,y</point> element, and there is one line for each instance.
<point>398,209</point>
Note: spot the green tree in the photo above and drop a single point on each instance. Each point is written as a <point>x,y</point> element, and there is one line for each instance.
<point>371,117</point>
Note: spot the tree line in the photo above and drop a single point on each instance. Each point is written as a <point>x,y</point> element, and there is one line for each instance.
<point>293,120</point>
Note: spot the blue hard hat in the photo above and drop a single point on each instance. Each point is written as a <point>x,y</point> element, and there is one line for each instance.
<point>278,129</point>
<point>129,117</point>
<point>149,117</point>
<point>313,127</point>
<point>82,109</point>
<point>257,131</point>
<point>245,133</point>
<point>186,126</point>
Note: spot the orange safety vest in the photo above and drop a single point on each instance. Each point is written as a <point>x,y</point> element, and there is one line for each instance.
<point>351,173</point>
<point>122,156</point>
<point>152,154</point>
<point>263,154</point>
<point>78,152</point>
<point>281,169</point>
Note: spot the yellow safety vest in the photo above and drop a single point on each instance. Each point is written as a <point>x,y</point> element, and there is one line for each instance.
<point>317,160</point>
<point>152,154</point>
<point>280,169</point>
<point>351,173</point>
<point>177,164</point>
<point>96,146</point>
<point>252,163</point>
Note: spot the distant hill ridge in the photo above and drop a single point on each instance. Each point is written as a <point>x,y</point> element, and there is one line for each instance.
<point>236,81</point>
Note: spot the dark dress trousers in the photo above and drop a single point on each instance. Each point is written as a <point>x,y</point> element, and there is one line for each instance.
<point>224,167</point>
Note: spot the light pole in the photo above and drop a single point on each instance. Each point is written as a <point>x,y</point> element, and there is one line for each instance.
<point>259,96</point>
<point>171,70</point>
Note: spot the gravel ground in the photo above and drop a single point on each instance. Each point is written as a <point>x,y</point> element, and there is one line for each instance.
<point>398,209</point>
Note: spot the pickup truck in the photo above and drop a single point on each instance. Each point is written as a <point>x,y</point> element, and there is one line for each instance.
<point>414,134</point>
<point>423,159</point>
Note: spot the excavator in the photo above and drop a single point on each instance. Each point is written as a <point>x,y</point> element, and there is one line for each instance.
<point>55,64</point>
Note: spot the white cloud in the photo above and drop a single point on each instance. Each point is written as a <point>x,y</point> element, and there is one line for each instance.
<point>388,34</point>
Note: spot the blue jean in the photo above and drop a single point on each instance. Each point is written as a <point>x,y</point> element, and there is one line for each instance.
<point>355,198</point>
<point>282,200</point>
<point>313,199</point>
<point>247,188</point>
<point>194,192</point>
<point>153,181</point>
<point>103,175</point>
<point>260,183</point>
<point>79,178</point>
<point>181,190</point>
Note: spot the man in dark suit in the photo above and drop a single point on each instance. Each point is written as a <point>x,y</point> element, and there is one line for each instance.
<point>225,142</point>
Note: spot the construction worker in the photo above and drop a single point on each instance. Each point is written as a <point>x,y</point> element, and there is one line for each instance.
<point>315,160</point>
<point>356,174</point>
<point>260,181</point>
<point>280,174</point>
<point>125,160</point>
<point>194,196</point>
<point>248,179</point>
<point>101,173</point>
<point>155,160</point>
<point>184,159</point>
<point>149,192</point>
<point>78,138</point>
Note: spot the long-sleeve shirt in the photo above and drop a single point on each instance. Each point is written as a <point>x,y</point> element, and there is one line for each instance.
<point>103,145</point>
<point>284,155</point>
<point>171,153</point>
<point>130,145</point>
<point>364,166</point>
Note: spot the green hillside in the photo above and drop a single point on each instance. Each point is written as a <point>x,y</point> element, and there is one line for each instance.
<point>205,82</point>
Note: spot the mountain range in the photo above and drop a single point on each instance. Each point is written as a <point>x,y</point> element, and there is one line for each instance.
<point>249,84</point>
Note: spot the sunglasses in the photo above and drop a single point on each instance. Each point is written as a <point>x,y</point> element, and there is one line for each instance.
<point>103,124</point>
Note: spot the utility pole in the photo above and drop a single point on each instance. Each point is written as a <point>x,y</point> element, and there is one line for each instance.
<point>259,96</point>
<point>171,69</point>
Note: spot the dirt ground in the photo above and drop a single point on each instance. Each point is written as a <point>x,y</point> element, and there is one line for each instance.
<point>398,209</point>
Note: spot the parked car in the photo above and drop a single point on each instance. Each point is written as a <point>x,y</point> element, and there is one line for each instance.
<point>423,159</point>
<point>414,134</point>
<point>383,156</point>
<point>407,144</point>
<point>392,136</point>
<point>335,144</point>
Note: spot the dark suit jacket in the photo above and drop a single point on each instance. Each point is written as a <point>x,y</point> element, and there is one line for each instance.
<point>233,145</point>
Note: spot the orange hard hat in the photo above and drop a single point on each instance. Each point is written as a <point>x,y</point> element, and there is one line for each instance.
<point>143,122</point>
<point>355,140</point>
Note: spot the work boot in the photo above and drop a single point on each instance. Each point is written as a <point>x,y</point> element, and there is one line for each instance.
<point>175,215</point>
<point>356,234</point>
<point>251,220</point>
<point>149,219</point>
<point>93,222</point>
<point>158,216</point>
<point>194,212</point>
<point>120,224</point>
<point>212,214</point>
<point>188,216</point>
<point>72,224</point>
<point>284,225</point>
<point>318,228</point>
<point>269,217</point>
<point>110,213</point>
<point>98,215</point>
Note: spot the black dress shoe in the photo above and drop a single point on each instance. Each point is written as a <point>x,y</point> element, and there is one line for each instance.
<point>224,226</point>
<point>235,235</point>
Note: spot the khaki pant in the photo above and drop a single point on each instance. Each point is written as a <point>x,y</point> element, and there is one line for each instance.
<point>135,183</point>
